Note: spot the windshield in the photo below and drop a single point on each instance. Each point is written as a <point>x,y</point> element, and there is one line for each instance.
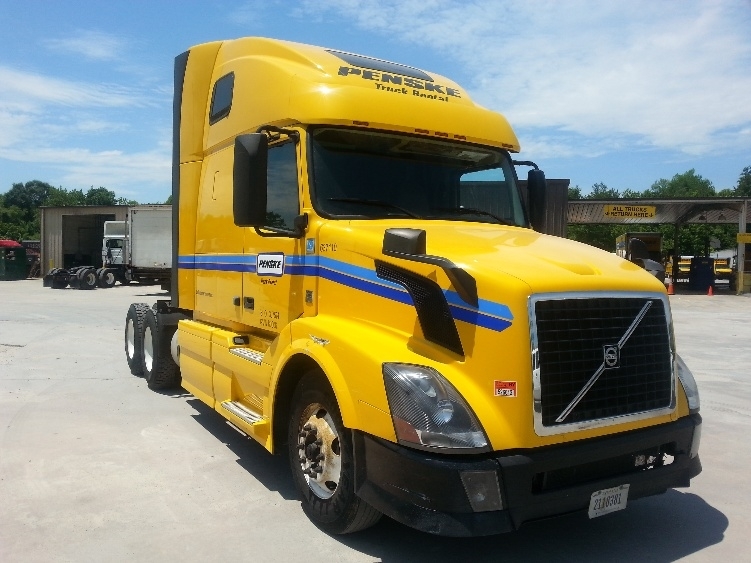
<point>371,175</point>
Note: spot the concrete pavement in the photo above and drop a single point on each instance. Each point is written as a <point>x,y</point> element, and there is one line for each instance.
<point>96,467</point>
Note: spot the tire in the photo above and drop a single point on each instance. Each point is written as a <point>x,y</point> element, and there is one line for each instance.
<point>159,369</point>
<point>106,278</point>
<point>134,321</point>
<point>60,279</point>
<point>321,459</point>
<point>47,280</point>
<point>86,278</point>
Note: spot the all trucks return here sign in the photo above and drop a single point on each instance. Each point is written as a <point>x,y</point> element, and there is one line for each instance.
<point>631,211</point>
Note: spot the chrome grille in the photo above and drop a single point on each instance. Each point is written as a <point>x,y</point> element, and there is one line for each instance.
<point>600,358</point>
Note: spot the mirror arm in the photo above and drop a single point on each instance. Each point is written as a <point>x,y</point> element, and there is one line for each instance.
<point>525,163</point>
<point>270,130</point>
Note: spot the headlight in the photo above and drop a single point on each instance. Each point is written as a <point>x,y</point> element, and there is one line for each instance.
<point>428,411</point>
<point>689,384</point>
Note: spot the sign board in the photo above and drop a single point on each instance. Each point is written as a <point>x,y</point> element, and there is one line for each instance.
<point>630,211</point>
<point>744,237</point>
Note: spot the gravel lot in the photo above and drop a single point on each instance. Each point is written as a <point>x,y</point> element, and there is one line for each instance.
<point>95,467</point>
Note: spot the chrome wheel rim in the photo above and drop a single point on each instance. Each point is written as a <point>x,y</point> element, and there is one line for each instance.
<point>319,451</point>
<point>130,337</point>
<point>148,349</point>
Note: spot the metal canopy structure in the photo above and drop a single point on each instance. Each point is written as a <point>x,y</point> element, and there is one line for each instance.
<point>678,212</point>
<point>685,211</point>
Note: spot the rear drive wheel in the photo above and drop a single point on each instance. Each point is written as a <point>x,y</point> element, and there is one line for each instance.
<point>107,278</point>
<point>134,336</point>
<point>60,279</point>
<point>86,278</point>
<point>159,369</point>
<point>320,455</point>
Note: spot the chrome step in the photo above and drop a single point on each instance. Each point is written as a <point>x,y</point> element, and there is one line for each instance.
<point>243,413</point>
<point>247,354</point>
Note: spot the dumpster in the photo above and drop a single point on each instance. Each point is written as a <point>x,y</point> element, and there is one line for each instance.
<point>12,260</point>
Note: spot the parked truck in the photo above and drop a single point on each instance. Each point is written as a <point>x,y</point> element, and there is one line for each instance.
<point>137,249</point>
<point>643,249</point>
<point>358,283</point>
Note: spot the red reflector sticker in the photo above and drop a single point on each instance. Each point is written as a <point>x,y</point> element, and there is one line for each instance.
<point>504,388</point>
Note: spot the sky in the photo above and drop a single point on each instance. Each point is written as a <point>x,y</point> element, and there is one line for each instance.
<point>619,93</point>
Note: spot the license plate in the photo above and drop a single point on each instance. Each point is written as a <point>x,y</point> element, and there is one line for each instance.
<point>608,500</point>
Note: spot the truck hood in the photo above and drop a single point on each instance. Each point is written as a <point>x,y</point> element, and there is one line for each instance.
<point>509,257</point>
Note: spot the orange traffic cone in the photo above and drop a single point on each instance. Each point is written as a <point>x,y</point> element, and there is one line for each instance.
<point>711,291</point>
<point>671,290</point>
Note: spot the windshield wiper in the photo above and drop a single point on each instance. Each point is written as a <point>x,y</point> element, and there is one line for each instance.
<point>473,211</point>
<point>373,203</point>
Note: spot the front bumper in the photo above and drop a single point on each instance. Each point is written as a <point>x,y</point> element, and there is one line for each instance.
<point>427,491</point>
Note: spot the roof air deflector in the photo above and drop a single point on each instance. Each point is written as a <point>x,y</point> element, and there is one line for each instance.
<point>382,66</point>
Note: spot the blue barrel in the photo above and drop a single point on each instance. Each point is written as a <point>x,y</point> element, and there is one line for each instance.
<point>701,274</point>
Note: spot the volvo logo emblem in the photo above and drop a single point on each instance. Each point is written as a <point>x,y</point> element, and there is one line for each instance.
<point>611,355</point>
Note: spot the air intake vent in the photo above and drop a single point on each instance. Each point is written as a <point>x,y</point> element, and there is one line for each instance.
<point>433,312</point>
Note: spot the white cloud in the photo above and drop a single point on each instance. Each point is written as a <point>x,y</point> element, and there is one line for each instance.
<point>668,75</point>
<point>93,45</point>
<point>113,169</point>
<point>24,88</point>
<point>252,13</point>
<point>44,120</point>
<point>13,126</point>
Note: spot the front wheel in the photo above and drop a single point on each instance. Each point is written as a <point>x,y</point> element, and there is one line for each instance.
<point>320,455</point>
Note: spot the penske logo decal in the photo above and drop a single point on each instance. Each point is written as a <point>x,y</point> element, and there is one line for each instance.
<point>270,264</point>
<point>402,85</point>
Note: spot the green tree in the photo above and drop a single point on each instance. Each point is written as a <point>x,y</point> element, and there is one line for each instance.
<point>743,188</point>
<point>693,240</point>
<point>574,193</point>
<point>125,201</point>
<point>688,184</point>
<point>28,196</point>
<point>13,223</point>
<point>19,206</point>
<point>600,236</point>
<point>100,196</point>
<point>601,191</point>
<point>59,197</point>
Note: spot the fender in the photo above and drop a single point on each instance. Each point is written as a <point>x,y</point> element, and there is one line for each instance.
<point>361,399</point>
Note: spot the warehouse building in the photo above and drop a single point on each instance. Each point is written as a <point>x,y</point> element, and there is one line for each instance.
<point>72,235</point>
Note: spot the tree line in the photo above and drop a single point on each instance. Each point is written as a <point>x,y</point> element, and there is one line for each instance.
<point>693,240</point>
<point>19,206</point>
<point>19,210</point>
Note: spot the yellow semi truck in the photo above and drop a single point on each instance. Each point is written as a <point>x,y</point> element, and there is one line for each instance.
<point>358,284</point>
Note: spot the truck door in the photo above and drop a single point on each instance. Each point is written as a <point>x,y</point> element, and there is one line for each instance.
<point>272,290</point>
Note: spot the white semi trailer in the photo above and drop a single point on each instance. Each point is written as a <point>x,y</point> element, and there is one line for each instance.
<point>137,249</point>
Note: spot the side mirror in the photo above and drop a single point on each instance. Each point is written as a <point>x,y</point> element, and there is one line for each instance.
<point>404,241</point>
<point>249,180</point>
<point>537,198</point>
